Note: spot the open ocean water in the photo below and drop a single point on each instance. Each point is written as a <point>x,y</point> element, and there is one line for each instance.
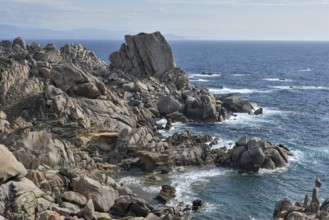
<point>290,80</point>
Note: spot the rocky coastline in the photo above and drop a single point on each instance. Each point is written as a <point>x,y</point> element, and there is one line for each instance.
<point>68,121</point>
<point>309,209</point>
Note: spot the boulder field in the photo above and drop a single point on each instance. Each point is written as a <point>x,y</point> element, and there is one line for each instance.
<point>69,122</point>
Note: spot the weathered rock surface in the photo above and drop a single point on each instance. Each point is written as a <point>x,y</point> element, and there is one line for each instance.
<point>10,168</point>
<point>234,103</point>
<point>130,205</point>
<point>310,209</point>
<point>103,197</point>
<point>251,154</point>
<point>148,54</point>
<point>167,193</point>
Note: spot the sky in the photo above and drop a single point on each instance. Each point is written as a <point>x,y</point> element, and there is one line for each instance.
<point>194,19</point>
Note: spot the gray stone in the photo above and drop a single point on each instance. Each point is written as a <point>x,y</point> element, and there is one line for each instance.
<point>88,211</point>
<point>236,104</point>
<point>130,204</point>
<point>254,142</point>
<point>168,104</point>
<point>148,54</point>
<point>103,197</point>
<point>243,141</point>
<point>20,42</point>
<point>258,111</point>
<point>75,197</point>
<point>45,149</point>
<point>74,209</point>
<point>9,166</point>
<point>275,157</point>
<point>3,116</point>
<point>167,193</point>
<point>43,204</point>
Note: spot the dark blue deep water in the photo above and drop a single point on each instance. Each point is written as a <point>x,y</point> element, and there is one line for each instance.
<point>290,80</point>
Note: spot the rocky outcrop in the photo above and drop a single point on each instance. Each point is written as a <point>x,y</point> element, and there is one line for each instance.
<point>69,120</point>
<point>251,154</point>
<point>236,104</point>
<point>310,209</point>
<point>167,193</point>
<point>150,56</point>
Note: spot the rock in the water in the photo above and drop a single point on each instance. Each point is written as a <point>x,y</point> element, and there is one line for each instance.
<point>10,168</point>
<point>236,104</point>
<point>198,204</point>
<point>253,154</point>
<point>167,193</point>
<point>258,111</point>
<point>310,210</point>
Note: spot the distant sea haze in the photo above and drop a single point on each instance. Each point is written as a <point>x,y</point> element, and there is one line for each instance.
<point>10,32</point>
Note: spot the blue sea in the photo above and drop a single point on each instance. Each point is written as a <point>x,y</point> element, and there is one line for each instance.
<point>290,80</point>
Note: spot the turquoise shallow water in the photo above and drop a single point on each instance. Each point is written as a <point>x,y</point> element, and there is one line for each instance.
<point>290,80</point>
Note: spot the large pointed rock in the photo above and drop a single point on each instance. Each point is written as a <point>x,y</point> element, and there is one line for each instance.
<point>148,54</point>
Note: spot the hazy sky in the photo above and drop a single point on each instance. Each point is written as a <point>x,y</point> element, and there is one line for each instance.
<point>197,19</point>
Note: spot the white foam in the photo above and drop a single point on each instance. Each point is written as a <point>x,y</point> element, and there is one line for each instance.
<point>301,87</point>
<point>184,182</point>
<point>278,79</point>
<point>325,118</point>
<point>176,126</point>
<point>305,70</point>
<point>297,156</point>
<point>239,74</point>
<point>136,182</point>
<point>130,180</point>
<point>267,171</point>
<point>245,118</point>
<point>224,143</point>
<point>232,90</point>
<point>193,75</point>
<point>199,80</point>
<point>162,122</point>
